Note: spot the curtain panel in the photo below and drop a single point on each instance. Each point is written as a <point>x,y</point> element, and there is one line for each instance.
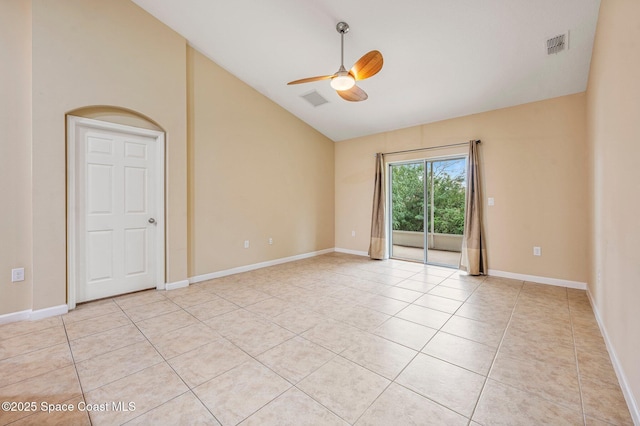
<point>474,253</point>
<point>377,247</point>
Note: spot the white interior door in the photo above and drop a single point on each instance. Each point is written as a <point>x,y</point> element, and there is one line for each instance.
<point>119,208</point>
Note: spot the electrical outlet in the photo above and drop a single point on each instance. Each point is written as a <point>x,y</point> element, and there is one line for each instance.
<point>246,243</point>
<point>270,241</point>
<point>537,251</point>
<point>353,233</point>
<point>491,201</point>
<point>17,275</point>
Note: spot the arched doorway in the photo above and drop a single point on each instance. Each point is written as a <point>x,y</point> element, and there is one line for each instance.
<point>115,204</point>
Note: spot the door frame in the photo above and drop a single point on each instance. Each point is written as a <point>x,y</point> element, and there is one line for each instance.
<point>73,124</point>
<point>389,200</point>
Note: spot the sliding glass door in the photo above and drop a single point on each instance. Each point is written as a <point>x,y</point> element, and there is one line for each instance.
<point>427,210</point>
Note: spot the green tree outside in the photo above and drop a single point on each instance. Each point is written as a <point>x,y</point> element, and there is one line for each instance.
<point>408,197</point>
<point>408,202</point>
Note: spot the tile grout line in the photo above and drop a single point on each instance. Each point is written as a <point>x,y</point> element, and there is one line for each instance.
<point>321,404</point>
<point>293,385</point>
<point>28,332</point>
<point>189,389</point>
<point>73,363</point>
<point>340,355</point>
<point>239,348</point>
<point>165,360</point>
<point>75,368</point>
<point>336,354</point>
<point>495,356</point>
<point>149,366</point>
<point>418,352</point>
<point>533,393</point>
<point>575,354</point>
<point>448,362</point>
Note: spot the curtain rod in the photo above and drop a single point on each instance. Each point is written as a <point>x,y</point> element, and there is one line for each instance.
<point>427,148</point>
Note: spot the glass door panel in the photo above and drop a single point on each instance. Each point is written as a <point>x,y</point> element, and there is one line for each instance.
<point>446,186</point>
<point>407,211</point>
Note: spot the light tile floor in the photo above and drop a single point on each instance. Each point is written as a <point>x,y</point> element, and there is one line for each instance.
<point>335,339</point>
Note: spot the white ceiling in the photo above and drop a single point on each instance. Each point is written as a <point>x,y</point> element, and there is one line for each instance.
<point>442,58</point>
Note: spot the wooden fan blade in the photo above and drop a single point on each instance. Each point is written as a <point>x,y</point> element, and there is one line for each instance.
<point>310,79</point>
<point>355,94</point>
<point>367,66</point>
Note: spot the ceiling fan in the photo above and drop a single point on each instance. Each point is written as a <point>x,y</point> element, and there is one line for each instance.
<point>343,81</point>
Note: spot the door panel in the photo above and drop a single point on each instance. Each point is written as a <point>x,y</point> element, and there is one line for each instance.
<point>99,189</point>
<point>136,251</point>
<point>135,150</point>
<point>100,256</point>
<point>97,145</point>
<point>116,198</point>
<point>407,211</point>
<point>446,185</point>
<point>135,188</point>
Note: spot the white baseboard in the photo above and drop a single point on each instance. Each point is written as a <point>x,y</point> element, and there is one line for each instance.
<point>349,251</point>
<point>32,315</point>
<point>176,285</point>
<point>247,268</point>
<point>15,316</point>
<point>49,312</point>
<point>632,404</point>
<point>542,280</point>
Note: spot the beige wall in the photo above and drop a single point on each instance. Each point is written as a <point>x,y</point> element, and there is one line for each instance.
<point>255,172</point>
<point>613,111</point>
<point>15,153</point>
<point>534,163</point>
<point>85,53</point>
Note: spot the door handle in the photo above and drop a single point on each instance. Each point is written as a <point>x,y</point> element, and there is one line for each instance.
<point>152,220</point>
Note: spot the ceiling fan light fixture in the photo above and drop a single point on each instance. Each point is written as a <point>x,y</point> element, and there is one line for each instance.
<point>343,81</point>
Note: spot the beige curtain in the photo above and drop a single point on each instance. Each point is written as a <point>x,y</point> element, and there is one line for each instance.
<point>378,232</point>
<point>474,253</point>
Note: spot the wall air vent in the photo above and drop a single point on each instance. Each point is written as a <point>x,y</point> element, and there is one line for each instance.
<point>558,43</point>
<point>314,98</point>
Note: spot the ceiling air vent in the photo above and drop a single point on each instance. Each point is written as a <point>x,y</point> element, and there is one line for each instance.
<point>314,98</point>
<point>558,43</point>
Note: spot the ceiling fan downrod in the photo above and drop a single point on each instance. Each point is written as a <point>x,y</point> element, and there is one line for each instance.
<point>342,28</point>
<point>342,80</point>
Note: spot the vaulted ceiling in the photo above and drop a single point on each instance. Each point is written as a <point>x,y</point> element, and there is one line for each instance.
<point>442,59</point>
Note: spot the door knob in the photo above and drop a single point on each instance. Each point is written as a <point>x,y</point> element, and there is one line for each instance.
<point>152,220</point>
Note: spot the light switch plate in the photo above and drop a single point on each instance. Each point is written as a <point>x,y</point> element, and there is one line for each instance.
<point>491,201</point>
